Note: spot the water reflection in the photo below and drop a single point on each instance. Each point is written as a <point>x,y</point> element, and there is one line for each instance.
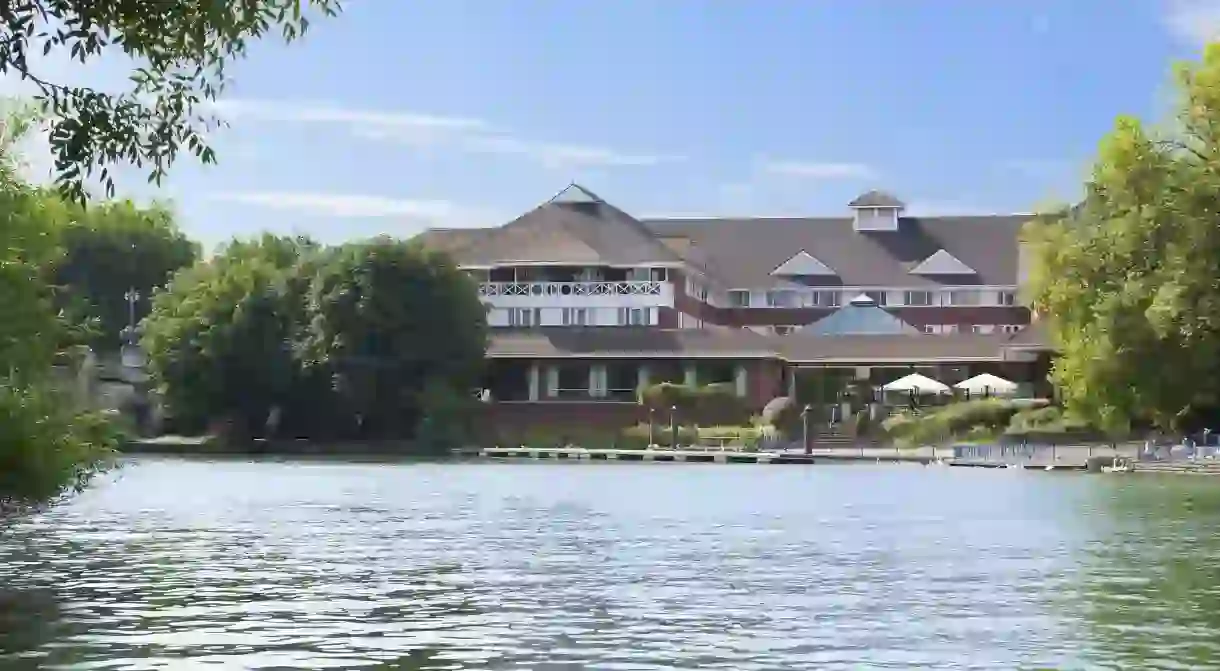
<point>1153,586</point>
<point>298,565</point>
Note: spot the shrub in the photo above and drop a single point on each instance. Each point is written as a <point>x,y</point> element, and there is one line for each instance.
<point>782,412</point>
<point>666,395</point>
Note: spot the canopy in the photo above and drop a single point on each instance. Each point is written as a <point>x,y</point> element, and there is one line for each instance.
<point>917,383</point>
<point>986,382</point>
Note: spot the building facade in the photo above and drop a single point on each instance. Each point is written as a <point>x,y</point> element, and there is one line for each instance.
<point>588,304</point>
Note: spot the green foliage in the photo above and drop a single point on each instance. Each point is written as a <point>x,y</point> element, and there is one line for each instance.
<point>220,342</point>
<point>1047,419</point>
<point>955,421</point>
<point>711,402</point>
<point>388,319</point>
<point>109,249</point>
<point>782,411</point>
<point>183,51</point>
<point>366,339</point>
<point>46,447</point>
<point>1127,280</point>
<point>666,395</point>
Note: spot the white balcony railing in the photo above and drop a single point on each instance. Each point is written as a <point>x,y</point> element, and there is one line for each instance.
<point>543,289</point>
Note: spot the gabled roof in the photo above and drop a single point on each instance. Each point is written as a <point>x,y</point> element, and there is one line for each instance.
<point>574,227</point>
<point>876,198</point>
<point>803,264</point>
<point>943,263</point>
<point>857,318</point>
<point>743,251</point>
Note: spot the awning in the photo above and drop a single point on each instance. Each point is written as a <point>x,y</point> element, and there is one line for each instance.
<point>920,384</point>
<point>987,383</point>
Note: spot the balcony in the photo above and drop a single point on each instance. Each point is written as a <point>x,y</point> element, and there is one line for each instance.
<point>488,289</point>
<point>631,293</point>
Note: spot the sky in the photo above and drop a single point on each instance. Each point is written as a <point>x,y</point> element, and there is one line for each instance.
<point>396,115</point>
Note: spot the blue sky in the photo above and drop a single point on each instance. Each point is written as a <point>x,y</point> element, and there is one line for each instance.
<point>399,115</point>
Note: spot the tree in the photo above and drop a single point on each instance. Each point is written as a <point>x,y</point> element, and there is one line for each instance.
<point>1127,279</point>
<point>110,249</point>
<point>221,338</point>
<point>47,446</point>
<point>390,321</point>
<point>183,49</point>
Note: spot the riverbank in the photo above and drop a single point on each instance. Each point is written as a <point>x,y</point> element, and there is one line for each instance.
<point>211,445</point>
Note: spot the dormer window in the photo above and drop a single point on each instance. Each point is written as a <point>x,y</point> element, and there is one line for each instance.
<point>876,211</point>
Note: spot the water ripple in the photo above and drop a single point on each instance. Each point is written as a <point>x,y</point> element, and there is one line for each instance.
<point>312,565</point>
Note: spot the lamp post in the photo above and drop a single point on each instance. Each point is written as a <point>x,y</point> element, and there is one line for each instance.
<point>673,426</point>
<point>652,413</point>
<point>805,429</point>
<point>131,296</point>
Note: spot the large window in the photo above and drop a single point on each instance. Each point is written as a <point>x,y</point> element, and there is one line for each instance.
<point>919,298</point>
<point>575,316</point>
<point>781,298</point>
<point>523,317</point>
<point>964,297</point>
<point>1008,298</point>
<point>739,298</point>
<point>824,299</point>
<point>879,297</point>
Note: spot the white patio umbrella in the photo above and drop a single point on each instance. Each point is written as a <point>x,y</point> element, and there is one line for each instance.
<point>988,383</point>
<point>919,384</point>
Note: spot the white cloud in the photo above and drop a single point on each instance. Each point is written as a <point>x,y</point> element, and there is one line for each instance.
<point>466,134</point>
<point>1194,22</point>
<point>323,113</point>
<point>817,170</point>
<point>348,205</point>
<point>556,155</point>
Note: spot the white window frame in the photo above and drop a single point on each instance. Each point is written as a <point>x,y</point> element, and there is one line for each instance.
<point>523,317</point>
<point>576,316</point>
<point>738,293</point>
<point>793,298</point>
<point>906,298</point>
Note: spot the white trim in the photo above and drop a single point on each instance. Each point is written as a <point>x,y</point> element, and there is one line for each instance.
<point>804,264</point>
<point>943,263</point>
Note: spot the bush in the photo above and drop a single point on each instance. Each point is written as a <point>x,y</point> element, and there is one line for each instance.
<point>782,412</point>
<point>47,448</point>
<point>712,402</point>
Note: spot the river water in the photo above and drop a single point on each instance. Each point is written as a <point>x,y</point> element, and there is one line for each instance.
<point>316,564</point>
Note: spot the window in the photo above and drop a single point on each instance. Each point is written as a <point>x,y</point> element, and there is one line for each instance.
<point>918,298</point>
<point>929,328</point>
<point>825,299</point>
<point>782,330</point>
<point>739,298</point>
<point>575,316</point>
<point>633,316</point>
<point>1007,298</point>
<point>524,317</point>
<point>1011,328</point>
<point>964,297</point>
<point>877,296</point>
<point>951,328</point>
<point>781,298</point>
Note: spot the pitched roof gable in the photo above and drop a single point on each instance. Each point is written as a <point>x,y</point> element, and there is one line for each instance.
<point>876,198</point>
<point>859,317</point>
<point>943,263</point>
<point>803,263</point>
<point>574,227</point>
<point>744,251</point>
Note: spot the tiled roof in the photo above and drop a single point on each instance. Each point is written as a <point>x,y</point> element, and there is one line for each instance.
<point>611,342</point>
<point>567,231</point>
<point>743,252</point>
<point>628,342</point>
<point>449,239</point>
<point>876,199</point>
